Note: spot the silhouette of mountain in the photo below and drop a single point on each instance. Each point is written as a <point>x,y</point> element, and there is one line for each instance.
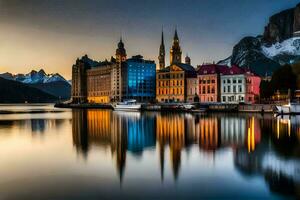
<point>15,92</point>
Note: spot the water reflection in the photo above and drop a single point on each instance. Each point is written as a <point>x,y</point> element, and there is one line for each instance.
<point>262,145</point>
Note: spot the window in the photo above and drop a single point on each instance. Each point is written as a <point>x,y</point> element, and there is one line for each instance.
<point>224,98</point>
<point>213,90</point>
<point>234,81</point>
<point>240,81</point>
<point>228,81</point>
<point>224,81</point>
<point>228,88</point>
<point>203,90</point>
<point>224,89</point>
<point>234,89</point>
<point>213,81</point>
<point>240,88</point>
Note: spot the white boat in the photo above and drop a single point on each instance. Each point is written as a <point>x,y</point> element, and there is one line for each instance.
<point>128,105</point>
<point>188,106</point>
<point>291,108</point>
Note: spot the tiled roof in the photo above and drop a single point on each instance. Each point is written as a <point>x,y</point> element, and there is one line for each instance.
<point>223,70</point>
<point>183,66</point>
<point>212,69</point>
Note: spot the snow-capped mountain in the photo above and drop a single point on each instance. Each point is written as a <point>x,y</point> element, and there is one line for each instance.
<point>264,58</point>
<point>285,52</point>
<point>34,77</point>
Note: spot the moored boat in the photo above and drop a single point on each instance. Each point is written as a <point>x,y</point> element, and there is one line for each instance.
<point>291,108</point>
<point>128,105</point>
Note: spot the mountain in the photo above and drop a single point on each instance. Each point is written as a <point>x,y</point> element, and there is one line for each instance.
<point>34,77</point>
<point>15,92</point>
<point>279,45</point>
<point>53,84</point>
<point>60,89</point>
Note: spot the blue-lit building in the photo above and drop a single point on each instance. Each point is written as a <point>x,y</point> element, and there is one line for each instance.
<point>138,79</point>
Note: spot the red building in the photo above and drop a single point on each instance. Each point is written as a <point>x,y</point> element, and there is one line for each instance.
<point>209,82</point>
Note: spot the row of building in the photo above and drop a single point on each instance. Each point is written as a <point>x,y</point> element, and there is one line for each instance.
<point>137,78</point>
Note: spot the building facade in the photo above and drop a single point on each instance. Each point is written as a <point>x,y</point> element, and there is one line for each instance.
<point>114,80</point>
<point>209,82</point>
<point>79,81</point>
<point>192,90</point>
<point>99,81</point>
<point>178,81</point>
<point>138,77</point>
<point>239,85</point>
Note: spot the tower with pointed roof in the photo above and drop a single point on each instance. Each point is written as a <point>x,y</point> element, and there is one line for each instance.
<point>162,53</point>
<point>187,60</point>
<point>120,52</point>
<point>175,52</point>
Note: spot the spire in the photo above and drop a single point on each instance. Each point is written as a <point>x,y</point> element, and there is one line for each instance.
<point>162,52</point>
<point>176,35</point>
<point>162,38</point>
<point>175,51</point>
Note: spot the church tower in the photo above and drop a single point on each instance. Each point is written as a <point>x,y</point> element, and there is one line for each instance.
<point>187,60</point>
<point>120,52</point>
<point>175,52</point>
<point>162,53</point>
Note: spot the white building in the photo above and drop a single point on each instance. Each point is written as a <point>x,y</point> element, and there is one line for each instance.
<point>239,85</point>
<point>233,88</point>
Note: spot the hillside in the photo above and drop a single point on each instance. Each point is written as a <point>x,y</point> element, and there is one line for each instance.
<point>53,84</point>
<point>60,89</point>
<point>15,92</point>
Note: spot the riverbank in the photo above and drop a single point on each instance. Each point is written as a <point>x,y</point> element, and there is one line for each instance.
<point>178,107</point>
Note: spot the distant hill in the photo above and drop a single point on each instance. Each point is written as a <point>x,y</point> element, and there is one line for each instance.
<point>60,89</point>
<point>15,92</point>
<point>53,84</point>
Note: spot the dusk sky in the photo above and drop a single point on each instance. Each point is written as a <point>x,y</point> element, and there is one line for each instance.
<point>51,34</point>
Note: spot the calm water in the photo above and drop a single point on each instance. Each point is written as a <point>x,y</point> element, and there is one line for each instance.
<point>88,154</point>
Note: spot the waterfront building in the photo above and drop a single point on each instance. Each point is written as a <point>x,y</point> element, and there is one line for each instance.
<point>114,80</point>
<point>171,82</point>
<point>116,84</point>
<point>176,82</point>
<point>209,82</point>
<point>99,81</point>
<point>138,77</point>
<point>79,81</point>
<point>192,88</point>
<point>239,85</point>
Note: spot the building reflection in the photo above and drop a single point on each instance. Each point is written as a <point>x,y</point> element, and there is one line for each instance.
<point>133,132</point>
<point>118,131</point>
<point>276,158</point>
<point>254,153</point>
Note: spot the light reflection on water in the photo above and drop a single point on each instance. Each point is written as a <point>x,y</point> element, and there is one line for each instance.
<point>100,153</point>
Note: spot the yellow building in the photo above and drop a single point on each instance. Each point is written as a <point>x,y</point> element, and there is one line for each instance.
<point>99,83</point>
<point>171,82</point>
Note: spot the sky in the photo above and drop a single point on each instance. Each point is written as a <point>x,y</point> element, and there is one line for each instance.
<point>51,34</point>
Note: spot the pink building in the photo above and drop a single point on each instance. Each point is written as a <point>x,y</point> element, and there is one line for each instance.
<point>252,86</point>
<point>209,82</point>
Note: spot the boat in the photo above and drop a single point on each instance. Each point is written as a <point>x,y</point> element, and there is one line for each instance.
<point>128,105</point>
<point>288,109</point>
